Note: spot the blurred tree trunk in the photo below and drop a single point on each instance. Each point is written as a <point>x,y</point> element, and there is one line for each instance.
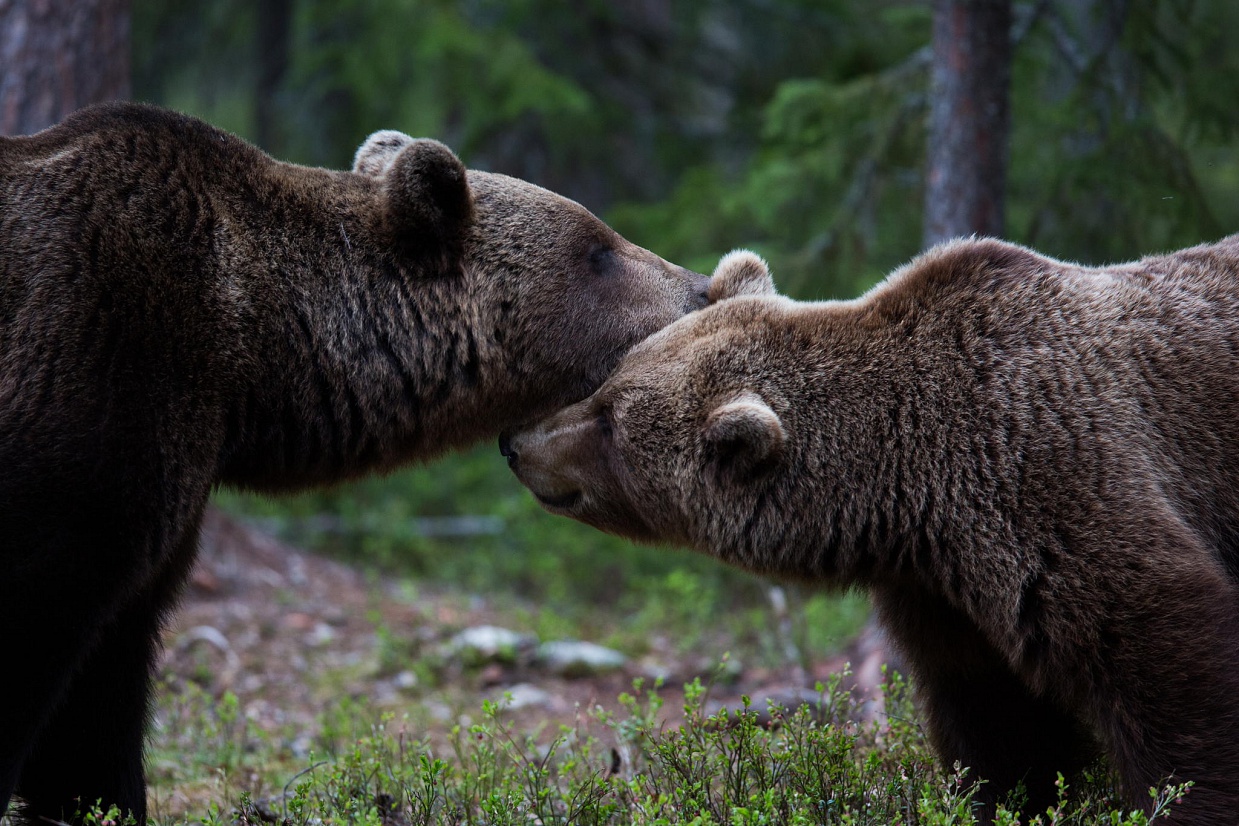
<point>57,56</point>
<point>274,26</point>
<point>970,80</point>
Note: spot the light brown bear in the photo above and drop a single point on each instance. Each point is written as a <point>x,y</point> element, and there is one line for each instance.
<point>1032,466</point>
<point>178,311</point>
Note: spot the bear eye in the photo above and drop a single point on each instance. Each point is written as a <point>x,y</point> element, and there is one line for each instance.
<point>604,423</point>
<point>601,259</point>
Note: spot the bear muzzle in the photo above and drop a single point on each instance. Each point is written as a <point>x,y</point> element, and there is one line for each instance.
<point>536,467</point>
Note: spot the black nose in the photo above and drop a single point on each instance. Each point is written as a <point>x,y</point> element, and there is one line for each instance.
<point>505,448</point>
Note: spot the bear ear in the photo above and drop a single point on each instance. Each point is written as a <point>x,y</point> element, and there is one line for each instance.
<point>380,149</point>
<point>740,273</point>
<point>746,436</point>
<point>428,202</point>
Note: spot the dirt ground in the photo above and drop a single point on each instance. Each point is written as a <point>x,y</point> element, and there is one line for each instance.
<point>294,635</point>
<point>290,632</point>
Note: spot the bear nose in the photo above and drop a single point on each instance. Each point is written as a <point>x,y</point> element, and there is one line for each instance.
<point>505,448</point>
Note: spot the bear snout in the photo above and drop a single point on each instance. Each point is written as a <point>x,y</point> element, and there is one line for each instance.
<point>507,451</point>
<point>553,489</point>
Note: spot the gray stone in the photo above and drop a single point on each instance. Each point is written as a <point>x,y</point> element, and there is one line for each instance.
<point>489,643</point>
<point>572,658</point>
<point>524,695</point>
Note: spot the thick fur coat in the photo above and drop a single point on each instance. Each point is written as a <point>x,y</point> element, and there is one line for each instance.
<point>1032,466</point>
<point>178,311</point>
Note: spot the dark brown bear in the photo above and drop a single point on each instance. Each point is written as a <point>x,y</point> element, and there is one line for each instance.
<point>178,311</point>
<point>1032,467</point>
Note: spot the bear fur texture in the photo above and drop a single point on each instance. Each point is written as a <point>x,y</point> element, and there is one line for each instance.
<point>179,311</point>
<point>1032,466</point>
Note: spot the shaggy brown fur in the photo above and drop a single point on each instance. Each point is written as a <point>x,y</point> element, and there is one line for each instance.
<point>178,310</point>
<point>1032,466</point>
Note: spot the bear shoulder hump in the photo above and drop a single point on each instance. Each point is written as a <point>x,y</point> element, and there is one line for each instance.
<point>966,265</point>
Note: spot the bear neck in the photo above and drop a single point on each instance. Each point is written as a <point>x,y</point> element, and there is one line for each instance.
<point>362,364</point>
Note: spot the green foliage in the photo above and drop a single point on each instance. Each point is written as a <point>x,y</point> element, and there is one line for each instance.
<point>1116,152</point>
<point>1114,148</point>
<point>199,733</point>
<point>96,815</point>
<point>731,768</point>
<point>467,80</point>
<point>805,766</point>
<point>831,194</point>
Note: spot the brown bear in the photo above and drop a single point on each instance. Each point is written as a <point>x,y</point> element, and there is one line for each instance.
<point>179,311</point>
<point>1032,466</point>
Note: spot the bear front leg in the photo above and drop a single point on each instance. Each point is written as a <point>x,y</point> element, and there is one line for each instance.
<point>977,712</point>
<point>1167,695</point>
<point>49,621</point>
<point>92,748</point>
<point>985,719</point>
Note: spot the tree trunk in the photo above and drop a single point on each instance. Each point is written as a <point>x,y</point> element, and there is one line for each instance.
<point>57,56</point>
<point>965,181</point>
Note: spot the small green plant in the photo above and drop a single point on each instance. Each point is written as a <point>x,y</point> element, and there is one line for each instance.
<point>96,815</point>
<point>643,763</point>
<point>201,732</point>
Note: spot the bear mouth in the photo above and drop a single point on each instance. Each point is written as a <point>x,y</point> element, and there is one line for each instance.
<point>565,501</point>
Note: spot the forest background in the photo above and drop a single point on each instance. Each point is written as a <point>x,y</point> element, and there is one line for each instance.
<point>804,129</point>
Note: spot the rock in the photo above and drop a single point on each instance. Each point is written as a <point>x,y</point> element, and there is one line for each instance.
<point>439,712</point>
<point>302,746</point>
<point>656,671</point>
<point>786,700</point>
<point>524,695</point>
<point>382,693</point>
<point>488,643</point>
<point>323,634</point>
<point>572,658</point>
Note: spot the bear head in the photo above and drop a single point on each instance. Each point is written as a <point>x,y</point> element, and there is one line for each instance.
<point>683,437</point>
<point>554,295</point>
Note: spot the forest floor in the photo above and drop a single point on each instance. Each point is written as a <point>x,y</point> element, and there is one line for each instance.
<point>283,650</point>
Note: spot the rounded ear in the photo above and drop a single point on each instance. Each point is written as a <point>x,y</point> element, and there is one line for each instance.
<point>429,205</point>
<point>740,273</point>
<point>379,150</point>
<point>746,436</point>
